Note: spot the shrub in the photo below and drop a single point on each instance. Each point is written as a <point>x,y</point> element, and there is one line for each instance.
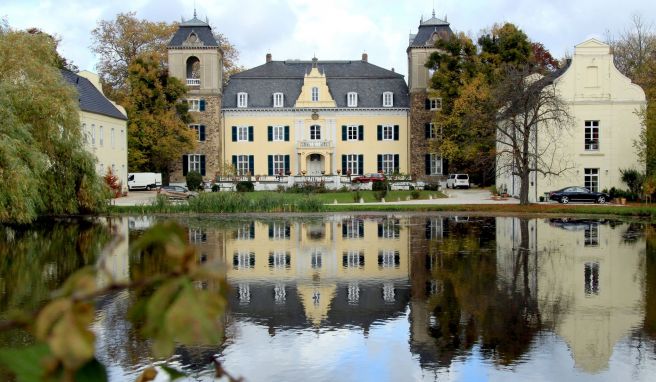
<point>308,187</point>
<point>380,186</point>
<point>194,180</point>
<point>113,183</point>
<point>633,178</point>
<point>380,194</point>
<point>216,188</point>
<point>356,197</point>
<point>431,187</point>
<point>415,194</point>
<point>245,186</point>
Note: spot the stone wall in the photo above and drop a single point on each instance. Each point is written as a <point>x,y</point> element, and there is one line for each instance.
<point>419,145</point>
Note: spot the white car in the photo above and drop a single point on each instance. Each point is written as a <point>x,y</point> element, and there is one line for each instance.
<point>457,181</point>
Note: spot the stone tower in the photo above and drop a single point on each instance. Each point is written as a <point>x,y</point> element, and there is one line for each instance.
<point>424,164</point>
<point>195,58</point>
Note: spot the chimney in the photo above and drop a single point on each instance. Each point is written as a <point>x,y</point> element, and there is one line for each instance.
<point>393,71</point>
<point>365,57</point>
<point>268,57</point>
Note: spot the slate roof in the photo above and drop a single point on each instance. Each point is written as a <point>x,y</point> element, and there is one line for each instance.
<point>368,80</point>
<point>202,30</point>
<point>91,99</point>
<point>426,30</point>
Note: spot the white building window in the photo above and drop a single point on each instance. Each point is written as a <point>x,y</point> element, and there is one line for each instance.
<point>591,180</point>
<point>353,229</point>
<point>194,162</point>
<point>388,99</point>
<point>435,103</point>
<point>353,164</point>
<point>315,259</point>
<point>200,131</point>
<point>279,260</point>
<point>389,229</point>
<point>242,133</point>
<point>352,133</point>
<point>278,164</point>
<point>85,133</point>
<point>388,259</point>
<point>353,294</point>
<point>591,277</point>
<point>591,135</point>
<point>388,133</point>
<point>101,136</point>
<point>278,99</point>
<point>388,292</point>
<point>242,165</point>
<point>279,293</point>
<point>279,231</point>
<point>194,104</point>
<point>352,99</point>
<point>197,235</point>
<point>244,293</point>
<point>278,133</point>
<point>112,137</point>
<point>435,229</point>
<point>388,164</point>
<point>315,132</point>
<point>435,164</point>
<point>315,94</point>
<point>246,232</point>
<point>353,259</point>
<point>93,135</point>
<point>591,235</point>
<point>242,99</point>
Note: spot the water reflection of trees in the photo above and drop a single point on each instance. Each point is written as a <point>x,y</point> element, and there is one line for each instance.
<point>476,305</point>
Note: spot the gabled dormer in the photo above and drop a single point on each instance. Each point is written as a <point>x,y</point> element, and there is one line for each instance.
<point>315,91</point>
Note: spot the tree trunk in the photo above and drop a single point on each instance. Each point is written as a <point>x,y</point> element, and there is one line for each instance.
<point>524,188</point>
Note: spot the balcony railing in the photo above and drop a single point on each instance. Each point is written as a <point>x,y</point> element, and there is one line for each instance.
<point>313,144</point>
<point>193,81</point>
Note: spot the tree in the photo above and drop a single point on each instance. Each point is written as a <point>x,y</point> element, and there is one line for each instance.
<point>158,132</point>
<point>44,168</point>
<point>531,119</point>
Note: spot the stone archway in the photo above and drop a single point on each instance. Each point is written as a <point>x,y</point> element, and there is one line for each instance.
<point>315,164</point>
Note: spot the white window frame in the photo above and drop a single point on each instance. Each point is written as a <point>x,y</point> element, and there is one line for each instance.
<point>193,104</point>
<point>390,229</point>
<point>435,164</point>
<point>353,228</point>
<point>278,99</point>
<point>101,136</point>
<point>591,144</point>
<point>242,165</point>
<point>244,232</point>
<point>278,164</point>
<point>352,99</point>
<point>278,133</point>
<point>196,127</point>
<point>279,260</point>
<point>388,99</point>
<point>93,135</point>
<point>316,259</point>
<point>389,294</point>
<point>388,132</point>
<point>242,99</point>
<point>242,133</point>
<point>388,164</point>
<point>353,294</point>
<point>112,137</point>
<point>432,133</point>
<point>244,260</point>
<point>352,133</point>
<point>591,235</point>
<point>591,179</point>
<point>435,103</point>
<point>388,258</point>
<point>193,162</point>
<point>436,228</point>
<point>353,259</point>
<point>315,132</point>
<point>315,94</point>
<point>353,163</point>
<point>122,137</point>
<point>591,278</point>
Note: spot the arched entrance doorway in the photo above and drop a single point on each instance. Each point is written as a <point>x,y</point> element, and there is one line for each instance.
<point>315,164</point>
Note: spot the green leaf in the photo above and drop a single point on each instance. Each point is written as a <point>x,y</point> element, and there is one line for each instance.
<point>173,373</point>
<point>92,371</point>
<point>26,363</point>
<point>194,316</point>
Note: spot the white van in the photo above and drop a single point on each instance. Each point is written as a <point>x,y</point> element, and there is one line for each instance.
<point>144,180</point>
<point>457,181</point>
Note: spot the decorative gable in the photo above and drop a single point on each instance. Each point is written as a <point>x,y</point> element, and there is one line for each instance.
<point>193,40</point>
<point>315,91</point>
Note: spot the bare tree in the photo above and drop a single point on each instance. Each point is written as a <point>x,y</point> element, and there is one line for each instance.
<point>531,120</point>
<point>633,46</point>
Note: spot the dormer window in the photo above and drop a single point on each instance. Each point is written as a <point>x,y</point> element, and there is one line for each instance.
<point>352,99</point>
<point>315,94</point>
<point>278,99</point>
<point>242,99</point>
<point>388,99</point>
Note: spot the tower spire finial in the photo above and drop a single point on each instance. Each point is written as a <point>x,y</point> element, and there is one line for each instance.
<point>433,8</point>
<point>194,8</point>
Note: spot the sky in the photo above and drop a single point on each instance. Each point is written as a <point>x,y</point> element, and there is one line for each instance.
<point>334,29</point>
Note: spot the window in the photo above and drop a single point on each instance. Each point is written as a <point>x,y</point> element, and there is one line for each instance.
<point>353,229</point>
<point>242,99</point>
<point>279,164</point>
<point>591,135</point>
<point>433,164</point>
<point>315,94</point>
<point>591,235</point>
<point>243,260</point>
<point>278,99</point>
<point>388,133</point>
<point>352,99</point>
<point>434,228</point>
<point>315,132</point>
<point>435,103</point>
<point>389,229</point>
<point>101,137</point>
<point>352,164</point>
<point>388,99</point>
<point>242,133</point>
<point>388,292</point>
<point>194,163</point>
<point>112,138</point>
<point>197,236</point>
<point>388,259</point>
<point>353,294</point>
<point>352,133</point>
<point>353,260</point>
<point>93,134</point>
<point>279,231</point>
<point>315,259</point>
<point>244,293</point>
<point>278,133</point>
<point>200,132</point>
<point>122,138</point>
<point>279,260</point>
<point>591,277</point>
<point>85,132</point>
<point>246,232</point>
<point>388,165</point>
<point>194,104</point>
<point>591,181</point>
<point>243,164</point>
<point>279,293</point>
<point>431,131</point>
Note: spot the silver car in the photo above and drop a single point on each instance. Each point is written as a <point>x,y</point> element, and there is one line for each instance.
<point>457,181</point>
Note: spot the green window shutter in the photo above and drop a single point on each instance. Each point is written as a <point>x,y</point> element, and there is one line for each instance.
<point>251,164</point>
<point>202,105</point>
<point>396,132</point>
<point>286,133</point>
<point>344,132</point>
<point>344,164</point>
<point>250,133</point>
<point>361,164</point>
<point>270,161</point>
<point>234,133</point>
<point>396,163</point>
<point>202,165</point>
<point>270,133</point>
<point>380,132</point>
<point>234,163</point>
<point>427,104</point>
<point>361,133</point>
<point>287,167</point>
<point>428,164</point>
<point>380,163</point>
<point>201,129</point>
<point>427,130</point>
<point>185,164</point>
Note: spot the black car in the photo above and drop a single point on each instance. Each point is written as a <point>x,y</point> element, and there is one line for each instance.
<point>578,194</point>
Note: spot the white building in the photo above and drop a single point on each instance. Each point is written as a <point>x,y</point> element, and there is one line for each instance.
<point>603,103</point>
<point>104,125</point>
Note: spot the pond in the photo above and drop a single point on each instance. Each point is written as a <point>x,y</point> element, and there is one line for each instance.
<point>377,297</point>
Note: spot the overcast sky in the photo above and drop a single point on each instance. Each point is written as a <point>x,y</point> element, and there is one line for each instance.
<point>335,29</point>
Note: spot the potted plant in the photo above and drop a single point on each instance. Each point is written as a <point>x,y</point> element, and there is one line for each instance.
<point>339,171</point>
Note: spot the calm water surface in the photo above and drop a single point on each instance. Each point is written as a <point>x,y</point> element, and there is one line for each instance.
<point>379,297</point>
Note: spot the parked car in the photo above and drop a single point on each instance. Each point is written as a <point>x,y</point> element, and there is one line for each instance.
<point>457,181</point>
<point>366,178</point>
<point>578,194</point>
<point>176,192</point>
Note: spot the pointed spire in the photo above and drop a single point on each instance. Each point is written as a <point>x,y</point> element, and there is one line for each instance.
<point>433,8</point>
